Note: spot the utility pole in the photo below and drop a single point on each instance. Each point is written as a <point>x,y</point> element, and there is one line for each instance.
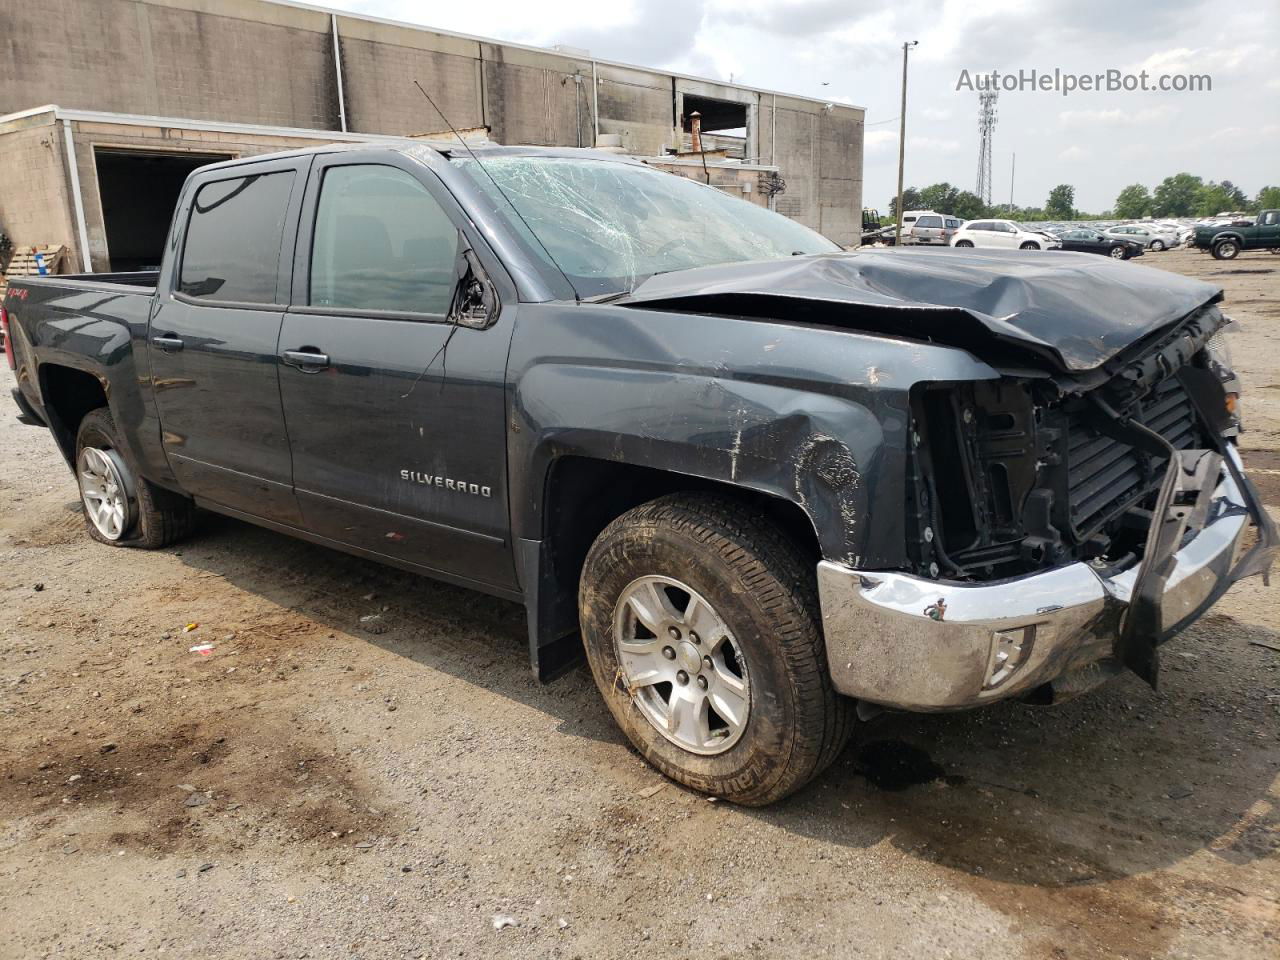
<point>1013,168</point>
<point>902,141</point>
<point>986,143</point>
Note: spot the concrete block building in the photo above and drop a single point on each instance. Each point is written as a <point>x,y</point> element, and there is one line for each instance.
<point>146,90</point>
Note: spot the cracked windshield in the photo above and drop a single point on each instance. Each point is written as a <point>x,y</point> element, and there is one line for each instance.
<point>608,226</point>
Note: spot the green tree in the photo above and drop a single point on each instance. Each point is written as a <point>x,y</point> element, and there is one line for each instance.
<point>1133,202</point>
<point>1214,198</point>
<point>968,206</point>
<point>1176,196</point>
<point>910,201</point>
<point>938,196</point>
<point>1061,203</point>
<point>1268,199</point>
<point>1238,200</point>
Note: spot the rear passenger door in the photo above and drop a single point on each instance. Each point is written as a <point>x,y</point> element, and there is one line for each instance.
<point>214,332</point>
<point>396,414</point>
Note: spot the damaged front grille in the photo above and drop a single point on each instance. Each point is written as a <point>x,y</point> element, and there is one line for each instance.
<point>1018,474</point>
<point>1106,476</point>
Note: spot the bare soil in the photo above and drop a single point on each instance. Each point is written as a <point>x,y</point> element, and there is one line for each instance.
<point>319,787</point>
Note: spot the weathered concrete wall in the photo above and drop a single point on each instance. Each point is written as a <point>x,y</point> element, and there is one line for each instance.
<point>819,154</point>
<point>35,204</point>
<point>249,61</point>
<point>235,60</point>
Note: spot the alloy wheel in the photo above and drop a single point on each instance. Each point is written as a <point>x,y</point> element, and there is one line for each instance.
<point>681,664</point>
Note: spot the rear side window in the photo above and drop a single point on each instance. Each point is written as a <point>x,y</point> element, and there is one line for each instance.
<point>233,238</point>
<point>952,224</point>
<point>980,225</point>
<point>929,222</point>
<point>381,243</point>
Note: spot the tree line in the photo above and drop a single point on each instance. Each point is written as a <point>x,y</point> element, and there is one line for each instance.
<point>1181,195</point>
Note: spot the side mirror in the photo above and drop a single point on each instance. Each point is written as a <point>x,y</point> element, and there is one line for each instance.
<point>475,301</point>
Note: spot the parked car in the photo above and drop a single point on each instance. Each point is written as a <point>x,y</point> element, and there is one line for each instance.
<point>933,229</point>
<point>1227,241</point>
<point>770,487</point>
<point>1148,238</point>
<point>1092,241</point>
<point>1003,234</point>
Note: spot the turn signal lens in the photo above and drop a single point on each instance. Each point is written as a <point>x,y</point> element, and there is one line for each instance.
<point>1233,401</point>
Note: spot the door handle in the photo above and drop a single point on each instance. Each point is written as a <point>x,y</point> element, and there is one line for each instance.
<point>308,359</point>
<point>168,344</point>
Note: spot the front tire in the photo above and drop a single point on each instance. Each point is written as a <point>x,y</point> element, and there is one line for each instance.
<point>1119,253</point>
<point>1030,245</point>
<point>1226,250</point>
<point>701,627</point>
<point>120,508</point>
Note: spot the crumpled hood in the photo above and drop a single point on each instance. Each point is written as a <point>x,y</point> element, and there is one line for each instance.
<point>1081,309</point>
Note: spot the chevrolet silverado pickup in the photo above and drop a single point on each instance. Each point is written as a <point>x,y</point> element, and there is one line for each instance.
<point>1226,242</point>
<point>770,487</point>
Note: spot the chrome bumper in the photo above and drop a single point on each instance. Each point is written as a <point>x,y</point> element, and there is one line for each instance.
<point>916,644</point>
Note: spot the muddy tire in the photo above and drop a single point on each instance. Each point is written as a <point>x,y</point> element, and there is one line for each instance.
<point>122,509</point>
<point>1226,250</point>
<point>745,710</point>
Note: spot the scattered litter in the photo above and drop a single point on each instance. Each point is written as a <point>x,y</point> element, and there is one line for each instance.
<point>713,799</point>
<point>187,787</point>
<point>197,799</point>
<point>1263,643</point>
<point>181,874</point>
<point>189,627</point>
<point>563,923</point>
<point>38,587</point>
<point>1179,792</point>
<point>107,748</point>
<point>364,845</point>
<point>373,623</point>
<point>204,649</point>
<point>205,867</point>
<point>501,920</point>
<point>74,777</point>
<point>648,792</point>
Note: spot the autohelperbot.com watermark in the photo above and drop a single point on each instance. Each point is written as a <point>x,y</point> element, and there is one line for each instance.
<point>1065,83</point>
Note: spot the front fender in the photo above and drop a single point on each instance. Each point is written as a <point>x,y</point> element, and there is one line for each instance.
<point>815,416</point>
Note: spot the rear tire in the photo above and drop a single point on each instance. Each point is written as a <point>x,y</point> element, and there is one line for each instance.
<point>1226,250</point>
<point>1157,245</point>
<point>964,243</point>
<point>122,509</point>
<point>752,593</point>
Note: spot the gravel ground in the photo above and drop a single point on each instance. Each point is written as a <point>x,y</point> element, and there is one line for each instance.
<point>319,787</point>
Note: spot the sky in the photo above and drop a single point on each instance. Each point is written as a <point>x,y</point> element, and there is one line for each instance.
<point>850,52</point>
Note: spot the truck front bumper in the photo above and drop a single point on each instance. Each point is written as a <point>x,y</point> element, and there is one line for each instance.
<point>912,643</point>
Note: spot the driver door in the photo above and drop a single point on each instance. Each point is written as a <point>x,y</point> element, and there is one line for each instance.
<point>395,413</point>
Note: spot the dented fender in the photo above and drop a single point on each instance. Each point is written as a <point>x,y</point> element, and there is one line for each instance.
<point>818,417</point>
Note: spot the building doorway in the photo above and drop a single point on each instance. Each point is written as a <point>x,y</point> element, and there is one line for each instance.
<point>139,191</point>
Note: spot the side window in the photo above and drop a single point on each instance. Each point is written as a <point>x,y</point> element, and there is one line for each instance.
<point>980,225</point>
<point>232,250</point>
<point>381,243</point>
<point>1270,218</point>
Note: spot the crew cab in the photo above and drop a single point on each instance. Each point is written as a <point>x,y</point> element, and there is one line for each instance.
<point>770,487</point>
<point>1227,241</point>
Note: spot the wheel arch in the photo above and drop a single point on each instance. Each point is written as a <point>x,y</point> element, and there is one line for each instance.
<point>581,495</point>
<point>68,395</point>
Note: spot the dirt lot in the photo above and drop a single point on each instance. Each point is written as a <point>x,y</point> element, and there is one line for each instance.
<point>318,788</point>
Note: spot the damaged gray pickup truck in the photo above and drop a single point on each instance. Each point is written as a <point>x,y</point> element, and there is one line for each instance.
<point>771,487</point>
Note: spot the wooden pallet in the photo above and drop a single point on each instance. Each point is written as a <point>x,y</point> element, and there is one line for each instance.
<point>23,262</point>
